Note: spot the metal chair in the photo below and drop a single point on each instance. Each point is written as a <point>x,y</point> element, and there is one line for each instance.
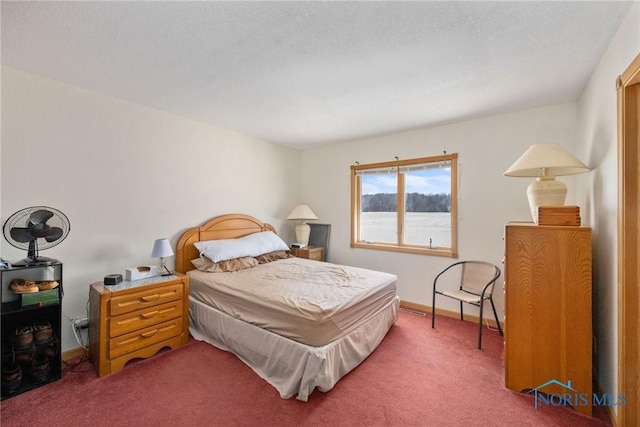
<point>475,283</point>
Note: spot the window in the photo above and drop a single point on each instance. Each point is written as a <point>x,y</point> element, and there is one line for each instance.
<point>406,206</point>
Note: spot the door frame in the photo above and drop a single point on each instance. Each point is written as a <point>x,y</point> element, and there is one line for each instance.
<point>628,88</point>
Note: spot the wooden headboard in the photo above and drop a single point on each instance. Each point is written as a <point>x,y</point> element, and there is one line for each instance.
<point>221,227</point>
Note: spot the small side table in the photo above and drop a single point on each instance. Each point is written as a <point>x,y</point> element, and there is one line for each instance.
<point>309,252</point>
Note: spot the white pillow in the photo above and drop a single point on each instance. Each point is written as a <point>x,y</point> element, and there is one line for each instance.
<point>251,245</point>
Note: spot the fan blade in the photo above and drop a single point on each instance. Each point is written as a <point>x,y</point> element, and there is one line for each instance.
<point>40,216</point>
<point>54,234</point>
<point>39,230</point>
<point>22,235</point>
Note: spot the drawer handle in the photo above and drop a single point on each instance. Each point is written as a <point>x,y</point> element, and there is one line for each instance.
<point>150,298</point>
<point>149,334</point>
<point>149,315</point>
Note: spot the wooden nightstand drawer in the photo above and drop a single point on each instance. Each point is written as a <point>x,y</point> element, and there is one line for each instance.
<point>315,253</point>
<point>144,299</point>
<point>145,318</point>
<point>143,338</point>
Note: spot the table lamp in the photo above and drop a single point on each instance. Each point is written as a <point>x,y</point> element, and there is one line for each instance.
<point>545,162</point>
<point>302,212</point>
<point>162,249</point>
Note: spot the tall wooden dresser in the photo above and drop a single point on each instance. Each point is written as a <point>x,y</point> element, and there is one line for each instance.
<point>548,311</point>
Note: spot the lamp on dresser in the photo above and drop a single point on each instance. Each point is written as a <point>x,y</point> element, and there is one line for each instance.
<point>302,212</point>
<point>162,249</point>
<point>545,162</point>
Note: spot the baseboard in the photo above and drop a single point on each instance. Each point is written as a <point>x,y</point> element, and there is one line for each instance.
<point>448,313</point>
<point>73,353</point>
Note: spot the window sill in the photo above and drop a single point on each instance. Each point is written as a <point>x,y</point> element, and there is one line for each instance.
<point>442,252</point>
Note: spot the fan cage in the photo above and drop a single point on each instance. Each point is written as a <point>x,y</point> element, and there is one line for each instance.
<point>22,221</point>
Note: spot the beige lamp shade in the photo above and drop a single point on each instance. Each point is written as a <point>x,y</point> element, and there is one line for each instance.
<point>545,162</point>
<point>302,212</point>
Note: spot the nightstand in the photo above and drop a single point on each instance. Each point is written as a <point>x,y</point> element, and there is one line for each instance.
<point>135,319</point>
<point>309,252</point>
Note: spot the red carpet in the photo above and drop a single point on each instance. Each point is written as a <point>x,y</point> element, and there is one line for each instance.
<point>417,377</point>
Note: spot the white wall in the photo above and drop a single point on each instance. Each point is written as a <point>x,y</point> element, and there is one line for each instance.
<point>598,191</point>
<point>488,200</point>
<point>126,175</point>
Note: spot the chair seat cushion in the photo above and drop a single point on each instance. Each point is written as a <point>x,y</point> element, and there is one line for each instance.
<point>462,296</point>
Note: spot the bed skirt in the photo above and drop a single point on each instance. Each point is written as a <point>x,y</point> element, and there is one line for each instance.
<point>294,369</point>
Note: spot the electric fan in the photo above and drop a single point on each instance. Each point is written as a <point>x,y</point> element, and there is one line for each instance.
<point>36,228</point>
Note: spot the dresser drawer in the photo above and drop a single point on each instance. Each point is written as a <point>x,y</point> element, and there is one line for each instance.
<point>145,299</point>
<point>315,253</point>
<point>142,319</point>
<point>134,341</point>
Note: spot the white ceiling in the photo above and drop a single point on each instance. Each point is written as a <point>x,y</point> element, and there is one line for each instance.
<point>309,73</point>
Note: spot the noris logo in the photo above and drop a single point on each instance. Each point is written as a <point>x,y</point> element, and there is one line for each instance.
<point>573,397</point>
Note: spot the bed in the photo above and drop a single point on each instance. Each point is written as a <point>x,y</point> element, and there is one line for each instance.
<point>299,324</point>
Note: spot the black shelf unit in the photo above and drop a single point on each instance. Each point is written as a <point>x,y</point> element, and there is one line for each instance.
<point>15,316</point>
